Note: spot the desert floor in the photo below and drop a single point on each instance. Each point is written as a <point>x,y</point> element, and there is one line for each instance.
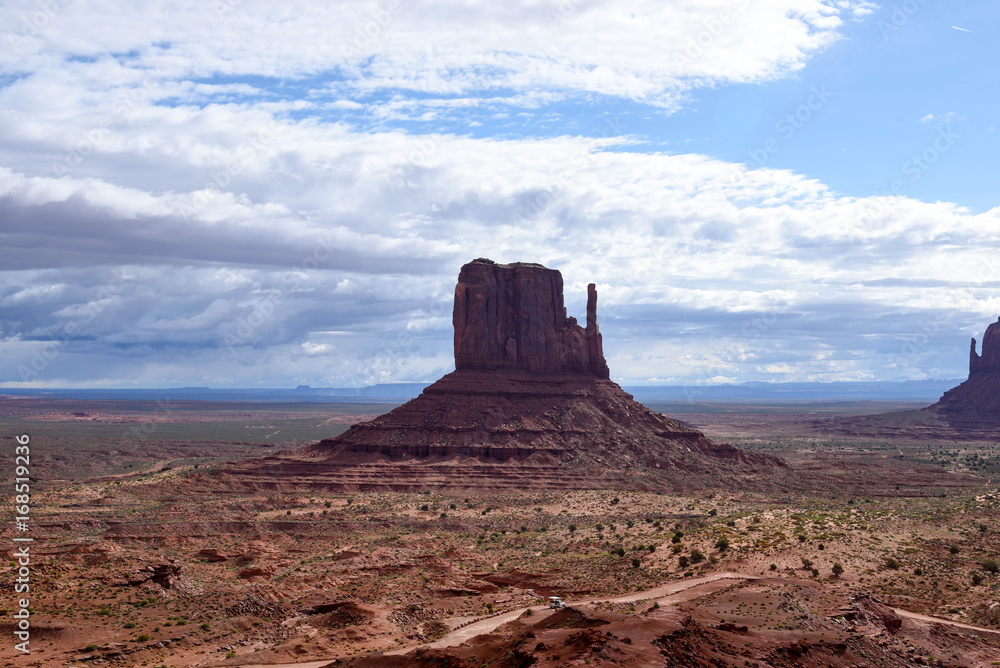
<point>139,560</point>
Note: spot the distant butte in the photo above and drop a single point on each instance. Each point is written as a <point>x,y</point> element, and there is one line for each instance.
<point>967,412</point>
<point>529,406</point>
<point>975,404</point>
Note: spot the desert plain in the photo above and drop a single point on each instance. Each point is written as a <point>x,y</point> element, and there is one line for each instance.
<point>862,550</point>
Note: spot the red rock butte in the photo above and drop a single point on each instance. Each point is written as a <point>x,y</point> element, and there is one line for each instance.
<point>975,404</point>
<point>529,406</point>
<point>511,316</point>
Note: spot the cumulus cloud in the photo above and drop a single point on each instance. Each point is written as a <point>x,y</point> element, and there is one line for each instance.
<point>645,50</point>
<point>228,194</point>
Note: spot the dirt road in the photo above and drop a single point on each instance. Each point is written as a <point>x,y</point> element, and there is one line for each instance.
<point>938,620</point>
<point>458,636</point>
<point>679,590</point>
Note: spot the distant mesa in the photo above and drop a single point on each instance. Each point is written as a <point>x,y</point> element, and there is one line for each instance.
<point>529,406</point>
<point>975,403</point>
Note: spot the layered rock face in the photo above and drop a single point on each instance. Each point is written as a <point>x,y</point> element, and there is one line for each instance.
<point>512,317</point>
<point>975,404</point>
<point>528,406</point>
<point>989,361</point>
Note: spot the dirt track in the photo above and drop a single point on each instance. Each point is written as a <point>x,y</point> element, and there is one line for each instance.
<point>670,590</point>
<point>947,622</point>
<point>458,636</point>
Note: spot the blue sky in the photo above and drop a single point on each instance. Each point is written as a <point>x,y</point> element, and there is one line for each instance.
<point>249,193</point>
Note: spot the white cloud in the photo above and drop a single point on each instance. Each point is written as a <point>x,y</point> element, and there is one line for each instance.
<point>171,188</point>
<point>668,237</point>
<point>647,50</point>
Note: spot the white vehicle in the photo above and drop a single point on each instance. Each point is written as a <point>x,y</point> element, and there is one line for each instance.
<point>556,603</point>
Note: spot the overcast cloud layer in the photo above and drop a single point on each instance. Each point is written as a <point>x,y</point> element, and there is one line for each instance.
<point>236,194</point>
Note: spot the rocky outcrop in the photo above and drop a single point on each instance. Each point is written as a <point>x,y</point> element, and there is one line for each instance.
<point>975,404</point>
<point>512,317</point>
<point>162,574</point>
<point>989,361</point>
<point>870,611</point>
<point>529,406</point>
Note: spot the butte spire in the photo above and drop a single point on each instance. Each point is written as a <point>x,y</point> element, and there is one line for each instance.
<point>529,406</point>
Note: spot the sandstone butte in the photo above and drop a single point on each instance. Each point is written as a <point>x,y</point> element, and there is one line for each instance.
<point>975,404</point>
<point>529,406</point>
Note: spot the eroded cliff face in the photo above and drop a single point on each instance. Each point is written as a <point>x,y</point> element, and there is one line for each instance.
<point>512,317</point>
<point>989,361</point>
<point>975,404</point>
